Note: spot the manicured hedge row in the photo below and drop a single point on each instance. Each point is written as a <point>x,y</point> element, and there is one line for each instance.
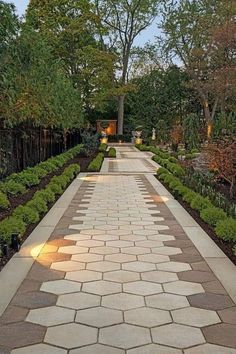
<point>33,210</point>
<point>18,183</point>
<point>96,164</point>
<point>102,148</point>
<point>224,226</point>
<point>112,152</point>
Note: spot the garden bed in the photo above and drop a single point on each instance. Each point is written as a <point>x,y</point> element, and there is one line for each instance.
<point>226,247</point>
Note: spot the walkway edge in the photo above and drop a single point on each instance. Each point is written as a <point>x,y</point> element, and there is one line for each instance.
<point>18,267</point>
<point>219,263</point>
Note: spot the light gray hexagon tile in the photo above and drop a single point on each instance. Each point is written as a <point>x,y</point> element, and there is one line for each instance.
<point>167,301</point>
<point>123,301</point>
<point>39,349</point>
<point>147,317</point>
<point>78,301</point>
<point>97,349</point>
<point>154,349</point>
<point>102,287</point>
<point>60,287</point>
<point>51,316</point>
<point>99,317</point>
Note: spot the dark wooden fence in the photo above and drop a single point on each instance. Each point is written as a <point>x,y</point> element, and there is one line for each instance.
<point>24,147</point>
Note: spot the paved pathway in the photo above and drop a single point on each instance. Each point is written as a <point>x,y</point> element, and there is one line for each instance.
<point>119,275</point>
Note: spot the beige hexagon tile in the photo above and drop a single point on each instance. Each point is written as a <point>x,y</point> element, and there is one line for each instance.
<point>78,301</point>
<point>99,317</point>
<point>153,258</point>
<point>147,317</point>
<point>77,237</point>
<point>60,287</point>
<point>103,266</point>
<point>181,336</point>
<point>68,266</point>
<point>121,276</point>
<point>183,288</point>
<point>87,257</point>
<point>160,237</point>
<point>83,276</point>
<point>135,250</point>
<point>123,301</point>
<point>149,244</point>
<point>124,336</point>
<point>196,317</point>
<point>120,258</point>
<point>71,335</point>
<point>133,238</point>
<point>105,237</point>
<point>159,276</point>
<point>97,349</point>
<point>51,316</point>
<point>104,250</point>
<point>89,243</point>
<point>138,266</point>
<point>120,243</point>
<point>102,287</point>
<point>174,267</point>
<point>72,249</point>
<point>143,288</point>
<point>169,251</point>
<point>167,301</point>
<point>154,349</point>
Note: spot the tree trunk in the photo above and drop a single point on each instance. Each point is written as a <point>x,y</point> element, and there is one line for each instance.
<point>121,100</point>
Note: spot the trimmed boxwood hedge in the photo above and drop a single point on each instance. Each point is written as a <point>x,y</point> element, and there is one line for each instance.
<point>112,152</point>
<point>96,164</point>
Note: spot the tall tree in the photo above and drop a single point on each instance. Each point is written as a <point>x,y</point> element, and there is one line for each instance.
<point>125,20</point>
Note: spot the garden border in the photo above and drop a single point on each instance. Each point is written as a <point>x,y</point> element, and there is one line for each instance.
<point>17,268</point>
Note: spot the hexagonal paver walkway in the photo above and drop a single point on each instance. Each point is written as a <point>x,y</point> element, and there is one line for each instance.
<point>119,275</point>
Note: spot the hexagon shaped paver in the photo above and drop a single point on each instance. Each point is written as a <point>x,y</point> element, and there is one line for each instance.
<point>162,238</point>
<point>149,243</point>
<point>123,301</point>
<point>72,249</point>
<point>154,349</point>
<point>159,276</point>
<point>135,250</point>
<point>173,267</point>
<point>121,276</point>
<point>97,349</point>
<point>51,316</point>
<point>138,266</point>
<point>77,237</point>
<point>124,336</point>
<point>167,301</point>
<point>181,336</point>
<point>120,258</point>
<point>143,288</point>
<point>87,257</point>
<point>120,243</point>
<point>195,317</point>
<point>183,288</point>
<point>68,266</point>
<point>83,276</point>
<point>39,348</point>
<point>147,317</point>
<point>102,287</point>
<point>103,266</point>
<point>90,243</point>
<point>71,335</point>
<point>168,251</point>
<point>104,250</point>
<point>99,317</point>
<point>78,301</point>
<point>60,287</point>
<point>153,258</point>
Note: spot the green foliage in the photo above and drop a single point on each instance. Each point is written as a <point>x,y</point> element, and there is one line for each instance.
<point>161,171</point>
<point>4,202</point>
<point>26,214</point>
<point>9,226</point>
<point>38,204</point>
<point>191,128</point>
<point>226,229</point>
<point>102,148</point>
<point>112,152</point>
<point>96,164</point>
<point>190,156</point>
<point>189,196</point>
<point>46,194</point>
<point>55,188</point>
<point>212,215</point>
<point>27,179</point>
<point>199,203</point>
<point>13,188</point>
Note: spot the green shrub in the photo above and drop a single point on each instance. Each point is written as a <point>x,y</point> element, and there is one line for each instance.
<point>226,229</point>
<point>181,190</point>
<point>39,171</point>
<point>27,214</point>
<point>161,171</point>
<point>194,151</point>
<point>173,159</point>
<point>38,204</point>
<point>27,179</point>
<point>102,148</point>
<point>173,184</point>
<point>112,152</point>
<point>13,188</point>
<point>72,171</point>
<point>96,164</point>
<point>143,147</point>
<point>11,225</point>
<point>46,194</point>
<point>189,196</point>
<point>4,202</point>
<point>55,188</point>
<point>212,215</point>
<point>199,203</point>
<point>177,170</point>
<point>48,166</point>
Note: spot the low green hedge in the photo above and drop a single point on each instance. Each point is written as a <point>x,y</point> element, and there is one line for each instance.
<point>226,229</point>
<point>31,212</point>
<point>96,164</point>
<point>102,148</point>
<point>213,215</point>
<point>200,203</point>
<point>18,183</point>
<point>112,152</point>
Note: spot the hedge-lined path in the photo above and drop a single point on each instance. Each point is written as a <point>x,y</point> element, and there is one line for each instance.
<point>121,274</point>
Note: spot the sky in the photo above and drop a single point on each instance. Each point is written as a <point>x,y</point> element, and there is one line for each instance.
<point>144,37</point>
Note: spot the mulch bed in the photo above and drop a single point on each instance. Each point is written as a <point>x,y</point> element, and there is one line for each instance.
<point>226,247</point>
<point>83,161</point>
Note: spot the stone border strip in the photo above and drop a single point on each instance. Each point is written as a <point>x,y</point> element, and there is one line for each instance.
<point>219,263</point>
<point>17,268</point>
